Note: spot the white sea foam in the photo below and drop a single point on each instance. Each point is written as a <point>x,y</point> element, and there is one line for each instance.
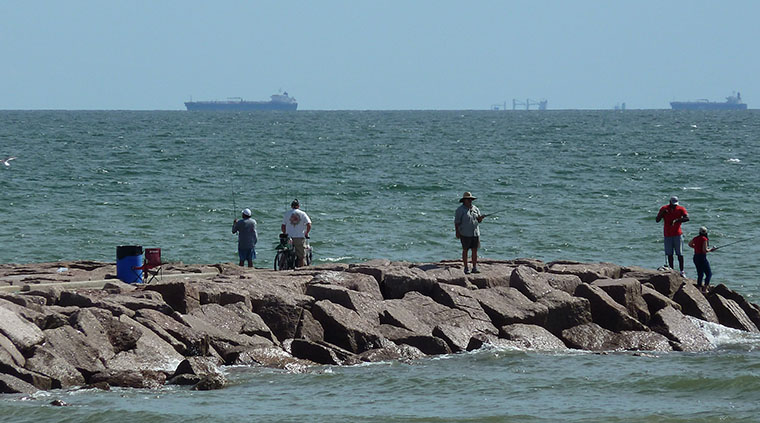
<point>720,335</point>
<point>334,259</point>
<point>734,161</point>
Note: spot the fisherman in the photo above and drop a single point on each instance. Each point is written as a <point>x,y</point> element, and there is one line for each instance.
<point>466,220</point>
<point>247,237</point>
<point>297,224</point>
<point>700,244</point>
<point>673,214</point>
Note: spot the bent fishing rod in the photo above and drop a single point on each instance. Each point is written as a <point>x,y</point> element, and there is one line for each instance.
<point>735,242</point>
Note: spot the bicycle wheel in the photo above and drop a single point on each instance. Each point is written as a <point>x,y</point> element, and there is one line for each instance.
<point>279,260</point>
<point>291,260</point>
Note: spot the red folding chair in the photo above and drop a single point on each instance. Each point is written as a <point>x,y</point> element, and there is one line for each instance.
<point>152,266</point>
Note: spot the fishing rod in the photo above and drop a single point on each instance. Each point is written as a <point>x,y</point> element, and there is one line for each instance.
<point>496,212</point>
<point>234,206</point>
<point>732,243</point>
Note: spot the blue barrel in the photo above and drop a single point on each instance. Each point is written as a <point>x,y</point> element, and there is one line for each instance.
<point>127,258</point>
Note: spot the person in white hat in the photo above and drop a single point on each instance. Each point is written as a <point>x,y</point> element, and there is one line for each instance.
<point>673,214</point>
<point>466,220</point>
<point>247,237</point>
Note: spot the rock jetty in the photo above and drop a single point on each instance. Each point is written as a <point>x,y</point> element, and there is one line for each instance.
<point>72,325</point>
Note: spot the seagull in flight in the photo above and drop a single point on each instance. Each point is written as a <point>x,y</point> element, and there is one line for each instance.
<point>7,161</point>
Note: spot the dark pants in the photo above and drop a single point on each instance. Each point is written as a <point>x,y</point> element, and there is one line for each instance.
<point>703,269</point>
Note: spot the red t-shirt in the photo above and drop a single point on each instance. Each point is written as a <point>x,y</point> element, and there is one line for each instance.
<point>700,244</point>
<point>671,214</point>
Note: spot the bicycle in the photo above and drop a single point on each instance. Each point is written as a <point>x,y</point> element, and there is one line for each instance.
<point>285,258</point>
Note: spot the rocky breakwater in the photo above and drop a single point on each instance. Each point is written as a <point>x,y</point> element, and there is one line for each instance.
<point>182,329</point>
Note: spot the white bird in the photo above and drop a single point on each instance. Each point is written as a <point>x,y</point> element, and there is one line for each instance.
<point>7,161</point>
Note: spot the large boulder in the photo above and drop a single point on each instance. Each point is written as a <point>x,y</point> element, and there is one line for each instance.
<point>74,347</point>
<point>752,310</point>
<point>143,379</point>
<point>428,344</point>
<point>507,305</point>
<point>392,352</point>
<point>46,361</point>
<point>345,327</point>
<point>531,283</point>
<point>375,268</point>
<point>693,303</point>
<point>367,305</point>
<point>173,330</point>
<point>192,369</point>
<point>730,314</point>
<point>656,301</point>
<point>431,313</point>
<point>235,318</point>
<point>280,308</point>
<point>606,312</point>
<point>666,282</point>
<point>397,313</point>
<point>400,280</point>
<point>151,353</point>
<point>490,276</point>
<point>309,328</point>
<point>445,273</point>
<point>566,283</point>
<point>587,272</point>
<point>179,295</point>
<point>532,337</point>
<point>13,385</point>
<point>593,337</point>
<point>628,293</point>
<point>104,331</point>
<point>358,282</point>
<point>9,353</point>
<point>564,311</point>
<point>679,329</point>
<point>321,352</point>
<point>21,332</point>
<point>463,299</point>
<point>589,337</point>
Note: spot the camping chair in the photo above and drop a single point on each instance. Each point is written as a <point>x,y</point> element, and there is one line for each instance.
<point>152,267</point>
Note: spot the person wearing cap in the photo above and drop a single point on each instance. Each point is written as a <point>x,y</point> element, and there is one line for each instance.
<point>466,220</point>
<point>297,225</point>
<point>673,215</point>
<point>247,237</point>
<point>700,244</point>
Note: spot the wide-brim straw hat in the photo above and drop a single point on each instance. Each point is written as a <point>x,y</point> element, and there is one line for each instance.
<point>467,196</point>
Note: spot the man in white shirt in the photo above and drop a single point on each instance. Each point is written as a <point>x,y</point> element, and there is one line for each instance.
<point>297,225</point>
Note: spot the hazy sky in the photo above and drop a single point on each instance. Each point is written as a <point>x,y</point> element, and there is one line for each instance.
<point>438,54</point>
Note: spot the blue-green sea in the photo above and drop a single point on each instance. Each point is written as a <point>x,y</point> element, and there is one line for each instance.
<point>567,185</point>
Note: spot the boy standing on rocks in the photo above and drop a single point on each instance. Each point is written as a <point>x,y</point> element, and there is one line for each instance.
<point>466,220</point>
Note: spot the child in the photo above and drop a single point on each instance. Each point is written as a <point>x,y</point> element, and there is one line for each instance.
<point>700,245</point>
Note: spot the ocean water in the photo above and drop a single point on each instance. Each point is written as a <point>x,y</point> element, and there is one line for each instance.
<point>568,185</point>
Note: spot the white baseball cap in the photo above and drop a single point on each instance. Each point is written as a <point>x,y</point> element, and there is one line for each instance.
<point>246,212</point>
<point>674,200</point>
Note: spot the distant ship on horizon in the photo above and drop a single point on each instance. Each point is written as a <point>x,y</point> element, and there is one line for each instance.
<point>733,102</point>
<point>237,104</point>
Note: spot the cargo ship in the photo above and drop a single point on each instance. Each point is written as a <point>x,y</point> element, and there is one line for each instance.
<point>237,104</point>
<point>733,102</point>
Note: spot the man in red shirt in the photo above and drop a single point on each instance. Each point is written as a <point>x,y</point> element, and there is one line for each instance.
<point>673,215</point>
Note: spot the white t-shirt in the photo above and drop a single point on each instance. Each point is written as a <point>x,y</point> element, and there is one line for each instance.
<point>295,223</point>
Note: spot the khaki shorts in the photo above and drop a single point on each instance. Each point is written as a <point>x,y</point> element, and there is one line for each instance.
<point>299,245</point>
